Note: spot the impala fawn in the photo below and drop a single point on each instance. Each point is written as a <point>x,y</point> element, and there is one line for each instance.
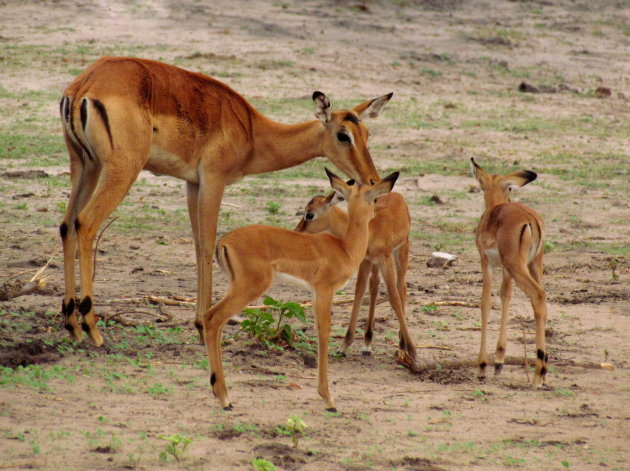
<point>387,253</point>
<point>510,236</point>
<point>253,255</point>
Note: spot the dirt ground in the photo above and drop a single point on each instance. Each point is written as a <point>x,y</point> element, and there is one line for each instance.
<point>455,68</point>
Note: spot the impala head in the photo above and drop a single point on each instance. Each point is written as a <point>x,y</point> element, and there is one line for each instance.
<point>496,188</point>
<point>316,213</point>
<point>346,139</point>
<point>361,194</point>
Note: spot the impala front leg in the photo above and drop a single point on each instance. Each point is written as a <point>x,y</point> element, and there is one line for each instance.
<point>323,319</point>
<point>210,192</point>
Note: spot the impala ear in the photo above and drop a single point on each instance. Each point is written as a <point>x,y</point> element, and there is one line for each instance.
<point>477,172</point>
<point>382,187</point>
<point>372,108</point>
<point>333,198</point>
<point>519,179</point>
<point>338,184</point>
<point>323,107</point>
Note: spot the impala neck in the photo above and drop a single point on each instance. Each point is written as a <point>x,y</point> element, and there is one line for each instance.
<point>356,237</point>
<point>337,222</point>
<point>495,198</point>
<point>278,146</point>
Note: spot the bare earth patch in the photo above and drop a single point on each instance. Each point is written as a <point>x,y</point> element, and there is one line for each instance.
<point>142,401</point>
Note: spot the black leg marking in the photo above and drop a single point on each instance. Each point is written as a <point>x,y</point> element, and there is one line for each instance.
<point>497,368</point>
<point>213,379</point>
<point>69,328</point>
<point>482,364</point>
<point>69,309</point>
<point>100,107</point>
<point>84,113</point>
<point>199,326</point>
<point>540,354</point>
<point>546,357</point>
<point>77,225</point>
<point>368,335</point>
<point>543,371</point>
<point>63,230</point>
<point>500,350</point>
<point>85,327</point>
<point>85,305</point>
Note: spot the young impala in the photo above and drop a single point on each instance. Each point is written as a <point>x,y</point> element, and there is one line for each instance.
<point>122,115</point>
<point>253,255</point>
<point>387,252</point>
<point>510,236</point>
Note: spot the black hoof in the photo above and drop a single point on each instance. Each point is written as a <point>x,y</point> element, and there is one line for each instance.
<point>228,407</point>
<point>331,409</point>
<point>366,353</point>
<point>497,368</point>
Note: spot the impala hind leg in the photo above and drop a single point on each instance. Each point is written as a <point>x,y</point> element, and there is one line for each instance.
<point>83,177</point>
<point>359,291</point>
<point>506,297</point>
<point>389,275</point>
<point>375,280</point>
<point>242,292</point>
<point>113,185</point>
<point>401,257</point>
<point>538,299</point>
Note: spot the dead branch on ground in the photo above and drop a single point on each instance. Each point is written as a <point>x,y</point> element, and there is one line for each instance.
<point>405,360</point>
<point>13,289</point>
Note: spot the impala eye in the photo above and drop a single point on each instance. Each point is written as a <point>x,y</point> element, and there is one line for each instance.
<point>343,137</point>
<point>309,216</point>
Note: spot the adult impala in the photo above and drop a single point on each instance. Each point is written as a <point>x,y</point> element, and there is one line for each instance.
<point>254,255</point>
<point>122,115</point>
<point>510,236</point>
<point>387,252</point>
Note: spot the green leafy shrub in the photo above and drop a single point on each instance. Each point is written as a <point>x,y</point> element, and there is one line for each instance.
<point>262,323</point>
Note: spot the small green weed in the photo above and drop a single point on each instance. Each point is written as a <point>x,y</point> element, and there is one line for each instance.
<point>261,464</point>
<point>177,445</point>
<point>295,428</point>
<point>261,324</point>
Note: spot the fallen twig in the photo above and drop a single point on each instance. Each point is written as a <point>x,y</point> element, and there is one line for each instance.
<point>405,360</point>
<point>14,289</point>
<point>96,246</point>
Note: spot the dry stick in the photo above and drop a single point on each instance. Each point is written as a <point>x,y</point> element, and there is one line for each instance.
<point>405,360</point>
<point>10,290</point>
<point>96,247</point>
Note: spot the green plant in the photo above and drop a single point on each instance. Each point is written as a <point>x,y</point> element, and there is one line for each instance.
<point>177,445</point>
<point>295,428</point>
<point>263,465</point>
<point>261,324</point>
<point>273,207</point>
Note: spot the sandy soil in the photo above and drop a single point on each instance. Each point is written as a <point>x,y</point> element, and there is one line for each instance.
<point>451,65</point>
